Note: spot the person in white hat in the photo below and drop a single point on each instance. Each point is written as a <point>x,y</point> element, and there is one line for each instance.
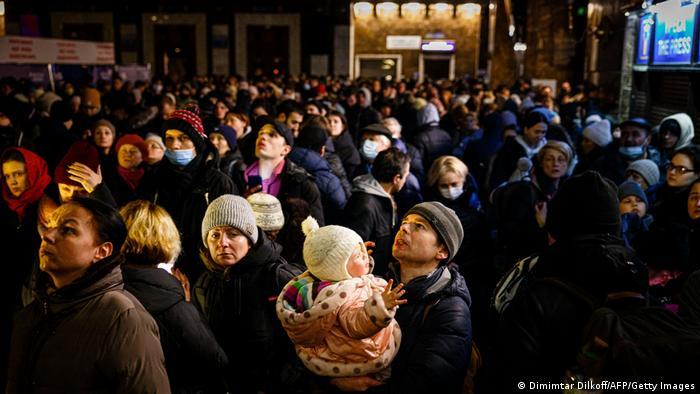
<point>339,316</point>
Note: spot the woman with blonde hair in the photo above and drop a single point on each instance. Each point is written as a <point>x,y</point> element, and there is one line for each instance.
<point>193,358</point>
<point>450,183</point>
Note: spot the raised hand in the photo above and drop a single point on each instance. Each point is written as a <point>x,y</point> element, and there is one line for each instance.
<point>82,174</point>
<point>392,297</point>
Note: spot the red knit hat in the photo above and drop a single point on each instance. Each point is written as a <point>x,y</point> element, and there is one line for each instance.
<point>135,140</point>
<point>188,121</point>
<point>82,152</point>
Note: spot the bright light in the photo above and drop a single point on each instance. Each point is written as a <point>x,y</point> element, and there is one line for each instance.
<point>2,8</point>
<point>362,9</point>
<point>520,47</point>
<point>413,10</point>
<point>645,5</point>
<point>468,10</point>
<point>492,6</point>
<point>511,30</point>
<point>442,10</point>
<point>388,10</point>
<point>627,13</point>
<point>438,46</point>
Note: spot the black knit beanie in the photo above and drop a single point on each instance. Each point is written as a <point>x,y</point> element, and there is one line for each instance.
<point>444,221</point>
<point>585,204</point>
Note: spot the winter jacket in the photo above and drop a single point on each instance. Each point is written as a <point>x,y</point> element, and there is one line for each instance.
<point>193,358</point>
<point>436,334</point>
<point>89,336</point>
<point>337,168</point>
<point>345,148</point>
<point>185,194</point>
<point>474,247</point>
<point>343,330</point>
<point>372,215</point>
<point>298,183</point>
<point>417,168</point>
<point>539,333</point>
<point>332,193</point>
<point>506,160</point>
<point>238,303</point>
<point>432,142</point>
<point>232,164</point>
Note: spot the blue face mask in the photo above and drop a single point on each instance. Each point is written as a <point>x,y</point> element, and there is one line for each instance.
<point>632,152</point>
<point>180,157</point>
<point>369,150</point>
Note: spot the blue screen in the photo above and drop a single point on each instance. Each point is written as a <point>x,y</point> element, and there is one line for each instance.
<point>644,37</point>
<point>673,34</point>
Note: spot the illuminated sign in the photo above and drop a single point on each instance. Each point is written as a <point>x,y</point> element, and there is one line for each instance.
<point>403,42</point>
<point>646,22</point>
<point>438,46</point>
<point>673,32</point>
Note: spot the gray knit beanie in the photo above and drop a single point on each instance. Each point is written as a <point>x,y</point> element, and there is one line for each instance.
<point>647,169</point>
<point>230,210</point>
<point>445,222</point>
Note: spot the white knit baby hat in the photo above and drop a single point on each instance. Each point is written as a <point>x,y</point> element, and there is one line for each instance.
<point>327,249</point>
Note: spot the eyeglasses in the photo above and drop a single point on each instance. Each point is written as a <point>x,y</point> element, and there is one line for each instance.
<point>679,169</point>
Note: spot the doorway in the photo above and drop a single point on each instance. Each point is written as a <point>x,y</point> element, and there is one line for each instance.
<point>436,67</point>
<point>175,50</point>
<point>267,50</point>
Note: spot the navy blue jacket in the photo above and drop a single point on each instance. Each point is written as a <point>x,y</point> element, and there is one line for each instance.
<point>435,347</point>
<point>333,196</point>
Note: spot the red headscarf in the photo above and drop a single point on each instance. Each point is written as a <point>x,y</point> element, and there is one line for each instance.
<point>132,177</point>
<point>37,180</point>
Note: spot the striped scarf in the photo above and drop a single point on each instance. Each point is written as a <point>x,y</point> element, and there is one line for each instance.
<point>300,295</point>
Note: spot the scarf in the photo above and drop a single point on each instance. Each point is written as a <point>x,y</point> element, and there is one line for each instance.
<point>300,295</point>
<point>37,180</point>
<point>131,177</point>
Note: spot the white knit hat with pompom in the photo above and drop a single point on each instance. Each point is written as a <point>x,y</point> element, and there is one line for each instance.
<point>327,249</point>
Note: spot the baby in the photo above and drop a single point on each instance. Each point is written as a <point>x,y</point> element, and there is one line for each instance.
<point>339,316</point>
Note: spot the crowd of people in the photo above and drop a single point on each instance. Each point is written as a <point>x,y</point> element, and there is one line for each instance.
<point>320,235</point>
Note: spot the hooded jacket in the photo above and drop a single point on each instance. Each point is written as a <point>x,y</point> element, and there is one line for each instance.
<point>347,151</point>
<point>298,183</point>
<point>193,358</point>
<point>332,193</point>
<point>430,140</point>
<point>435,346</point>
<point>687,129</point>
<point>89,336</point>
<point>238,303</point>
<point>371,213</point>
<point>539,333</point>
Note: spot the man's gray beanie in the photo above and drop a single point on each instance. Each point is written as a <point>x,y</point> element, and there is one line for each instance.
<point>445,222</point>
<point>230,210</point>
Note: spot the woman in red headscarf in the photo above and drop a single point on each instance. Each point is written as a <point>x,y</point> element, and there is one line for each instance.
<point>25,176</point>
<point>123,180</point>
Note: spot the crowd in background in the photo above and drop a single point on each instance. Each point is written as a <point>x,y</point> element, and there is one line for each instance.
<point>561,208</point>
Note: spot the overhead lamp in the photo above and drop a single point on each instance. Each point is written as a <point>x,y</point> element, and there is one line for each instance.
<point>413,10</point>
<point>362,9</point>
<point>520,47</point>
<point>441,10</point>
<point>387,9</point>
<point>468,10</point>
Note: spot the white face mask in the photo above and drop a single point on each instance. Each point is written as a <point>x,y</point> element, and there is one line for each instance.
<point>451,193</point>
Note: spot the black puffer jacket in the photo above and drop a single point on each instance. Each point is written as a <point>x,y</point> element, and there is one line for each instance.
<point>297,183</point>
<point>239,305</point>
<point>193,358</point>
<point>435,346</point>
<point>346,150</point>
<point>432,142</point>
<point>371,213</point>
<point>185,193</point>
<point>540,331</point>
